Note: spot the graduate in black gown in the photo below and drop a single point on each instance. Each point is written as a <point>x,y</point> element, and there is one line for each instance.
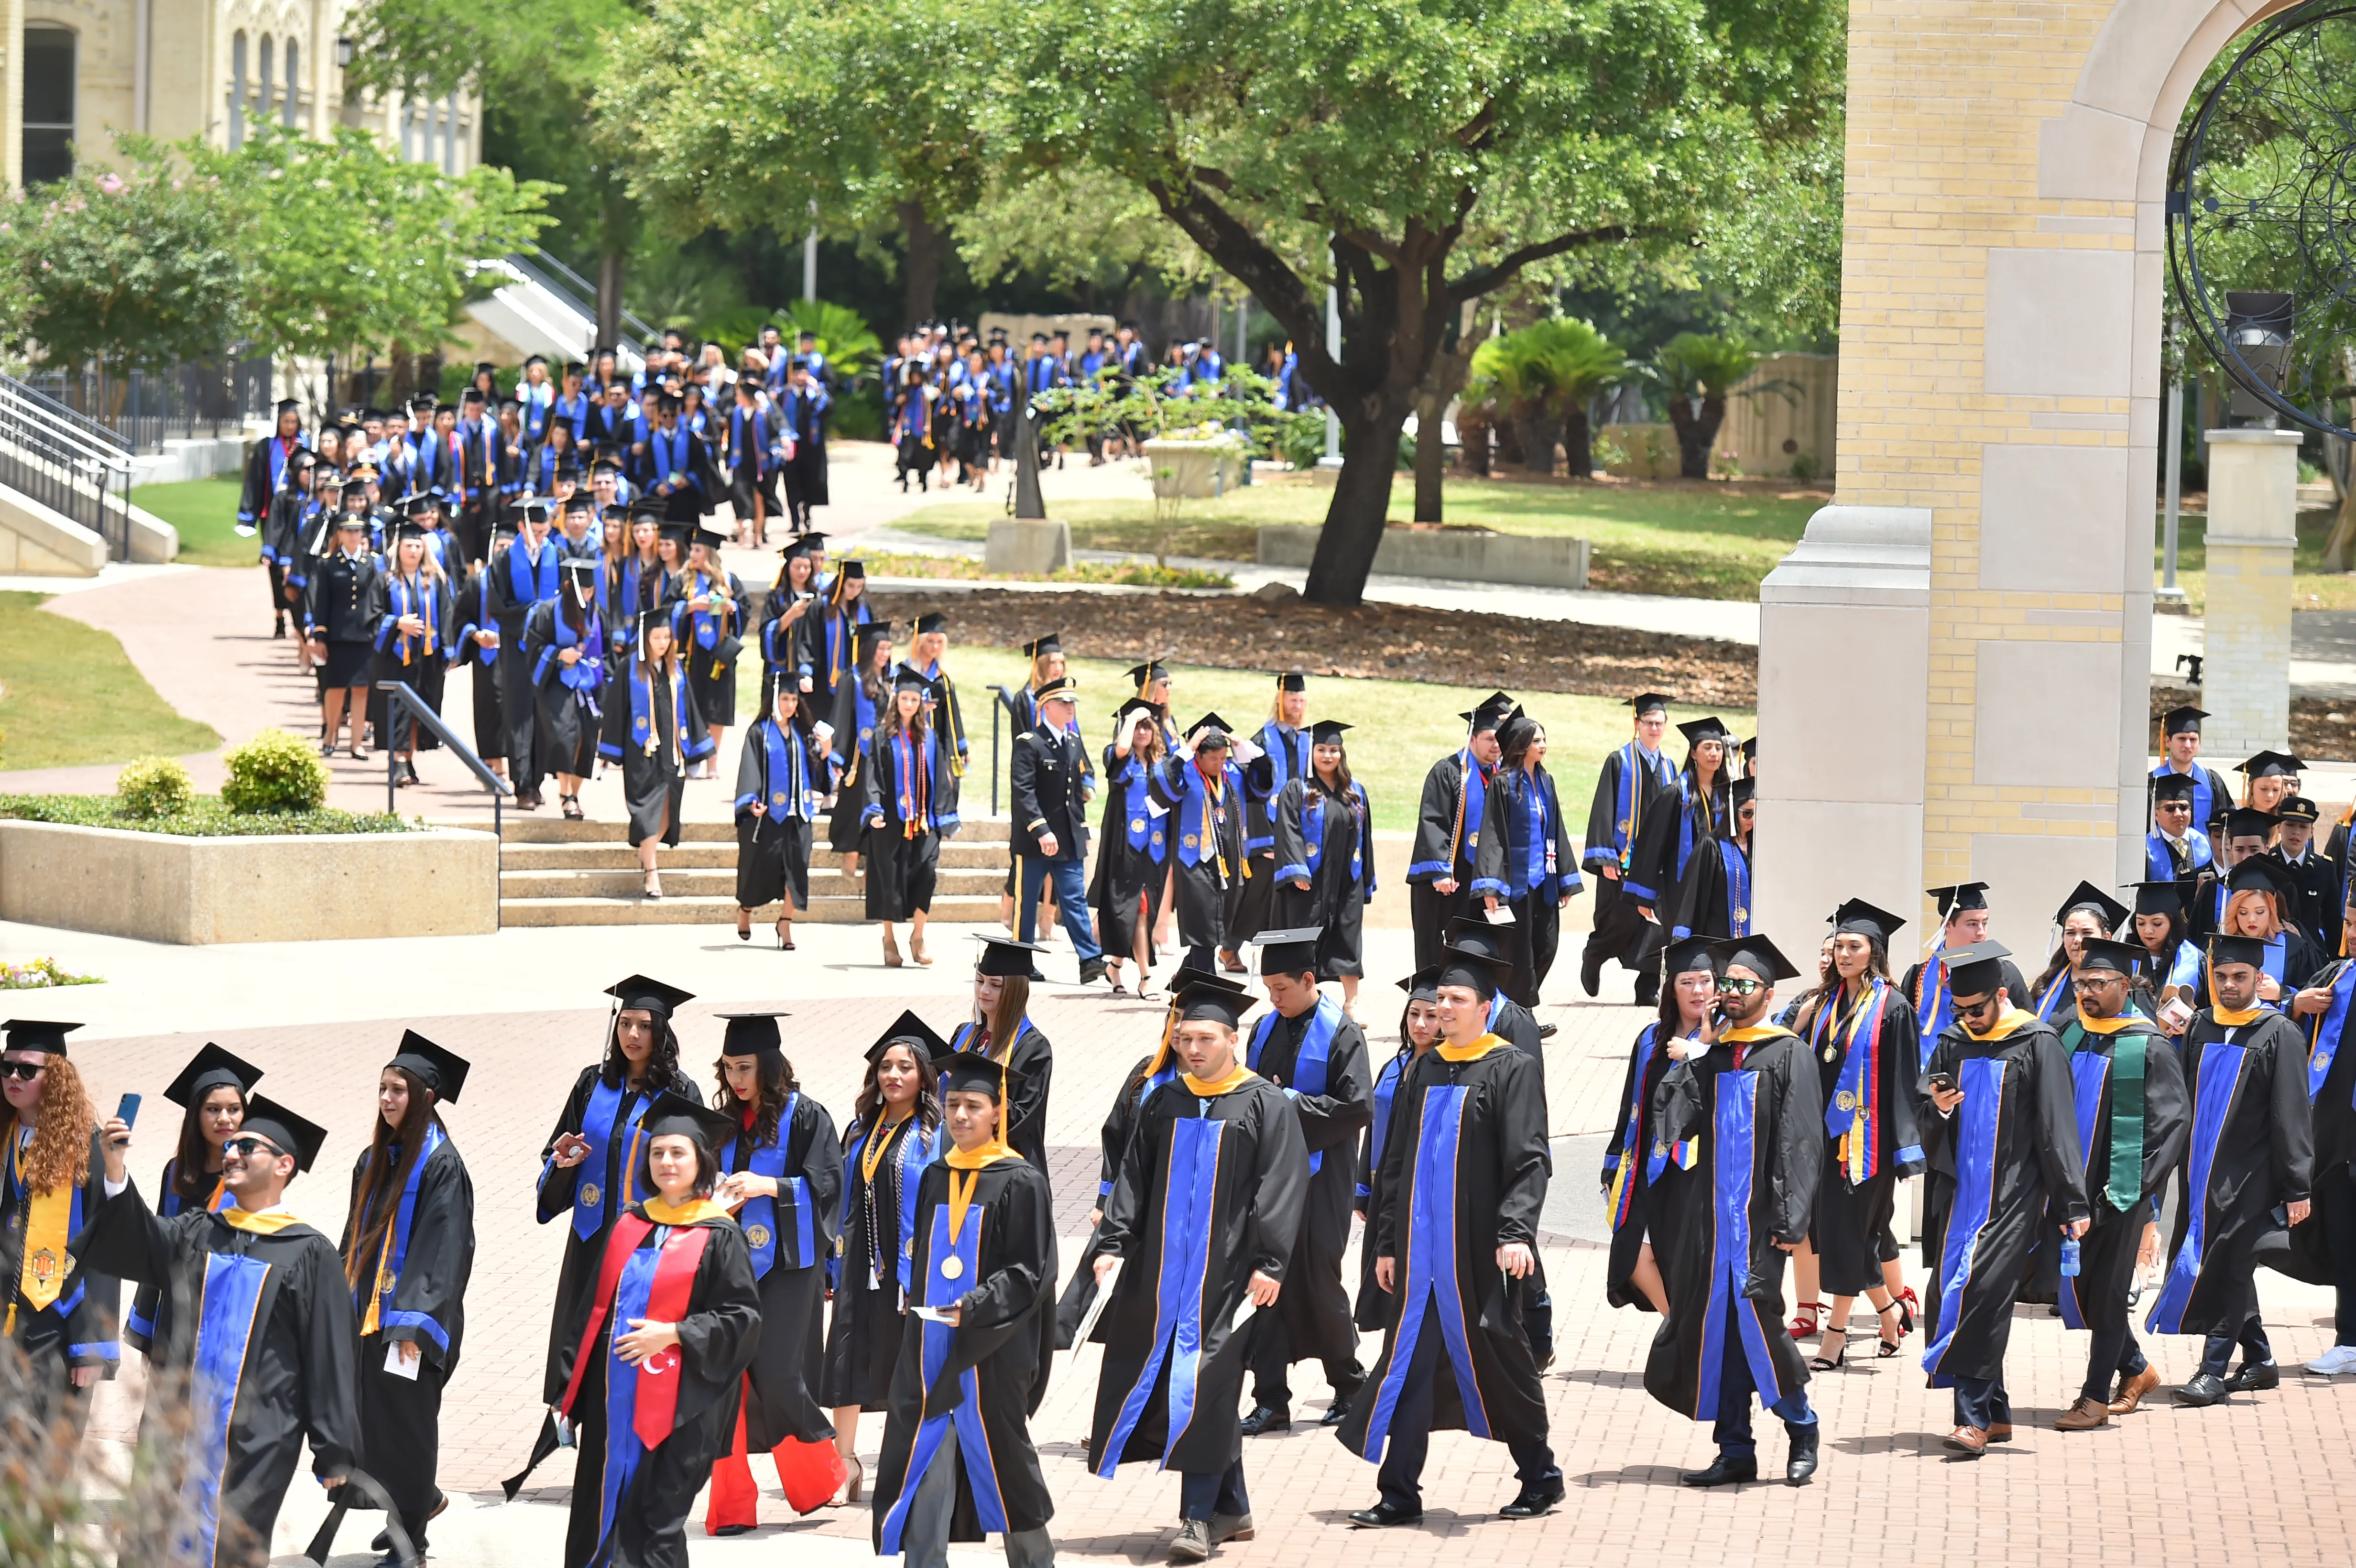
<point>2323,1250</point>
<point>1202,791</point>
<point>589,1164</point>
<point>2133,1118</point>
<point>212,1092</point>
<point>1540,877</point>
<point>476,648</point>
<point>673,1321</point>
<point>781,773</point>
<point>1454,1233</point>
<point>1324,828</point>
<point>902,785</point>
<point>894,1133</point>
<point>408,1250</point>
<point>1718,893</point>
<point>1637,1167</point>
<point>563,655</point>
<point>525,578</point>
<point>1628,790</point>
<point>1459,858</point>
<point>781,1173</point>
<point>1693,812</point>
<point>1418,1032</point>
<point>958,1461</point>
<point>1283,742</point>
<point>2252,1159</point>
<point>708,621</point>
<point>2000,1131</point>
<point>259,1360</point>
<point>1307,1046</point>
<point>1749,1101</point>
<point>1133,858</point>
<point>2087,912</point>
<point>653,728</point>
<point>1203,1217</point>
<point>61,1305</point>
<point>1964,918</point>
<point>857,711</point>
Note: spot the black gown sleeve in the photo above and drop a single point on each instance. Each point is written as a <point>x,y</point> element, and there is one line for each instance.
<point>722,1327</point>
<point>1617,1145</point>
<point>1027,1110</point>
<point>1902,1038</point>
<point>2167,1113</point>
<point>1291,850</point>
<point>1799,1145</point>
<point>1653,858</point>
<point>1279,1193</point>
<point>329,1350</point>
<point>822,1167</point>
<point>557,1183</point>
<point>2057,1128</point>
<point>1435,820</point>
<point>431,1293</point>
<point>2292,1123</point>
<point>1522,1153</point>
<point>127,1240</point>
<point>1382,1227</point>
<point>1602,821</point>
<point>753,769</point>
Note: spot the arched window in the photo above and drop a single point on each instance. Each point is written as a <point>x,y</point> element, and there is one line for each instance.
<point>294,80</point>
<point>49,104</point>
<point>450,134</point>
<point>237,92</point>
<point>262,97</point>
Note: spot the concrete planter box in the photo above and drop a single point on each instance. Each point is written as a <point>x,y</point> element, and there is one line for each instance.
<point>159,888</point>
<point>1196,470</point>
<point>1464,555</point>
<point>1028,545</point>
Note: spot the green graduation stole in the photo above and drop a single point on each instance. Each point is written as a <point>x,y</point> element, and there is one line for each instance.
<point>2128,1044</point>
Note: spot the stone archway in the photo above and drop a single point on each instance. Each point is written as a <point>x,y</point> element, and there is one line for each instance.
<point>1954,663</point>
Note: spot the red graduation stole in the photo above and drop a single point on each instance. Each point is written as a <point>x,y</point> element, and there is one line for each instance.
<point>657,1402</point>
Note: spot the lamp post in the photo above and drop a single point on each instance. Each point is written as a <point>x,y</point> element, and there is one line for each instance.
<point>2169,592</point>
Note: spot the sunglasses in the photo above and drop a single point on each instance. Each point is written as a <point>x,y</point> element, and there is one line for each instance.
<point>1729,987</point>
<point>27,1071</point>
<point>1973,1009</point>
<point>248,1147</point>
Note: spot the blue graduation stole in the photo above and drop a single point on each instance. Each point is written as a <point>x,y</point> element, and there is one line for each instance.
<point>707,624</point>
<point>411,599</point>
<point>917,1150</point>
<point>534,581</point>
<point>645,733</point>
<point>603,1124</point>
<point>1287,758</point>
<point>669,455</point>
<point>2089,1071</point>
<point>388,1278</point>
<point>575,411</point>
<point>2323,1035</point>
<point>1145,831</point>
<point>2222,1066</point>
<point>1628,805</point>
<point>1854,1117</point>
<point>973,1438</point>
<point>227,1314</point>
<point>788,781</point>
<point>2204,799</point>
<point>1979,1121</point>
<point>585,673</point>
<point>1734,1124</point>
<point>1537,844</point>
<point>1386,1085</point>
<point>759,1215</point>
<point>1313,835</point>
<point>1190,1191</point>
<point>1737,866</point>
<point>1309,1066</point>
<point>1472,810</point>
<point>1431,1270</point>
<point>1197,838</point>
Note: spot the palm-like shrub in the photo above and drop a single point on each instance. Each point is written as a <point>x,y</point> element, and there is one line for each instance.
<point>1542,376</point>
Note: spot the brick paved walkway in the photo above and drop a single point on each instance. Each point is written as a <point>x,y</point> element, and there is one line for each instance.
<point>2257,1477</point>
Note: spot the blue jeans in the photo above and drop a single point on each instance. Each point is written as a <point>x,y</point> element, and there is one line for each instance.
<point>1982,1403</point>
<point>1401,1475</point>
<point>1212,1493</point>
<point>1071,896</point>
<point>1735,1387</point>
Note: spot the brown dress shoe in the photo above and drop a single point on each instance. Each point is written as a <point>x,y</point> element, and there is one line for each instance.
<point>1969,1441</point>
<point>1999,1432</point>
<point>2083,1417</point>
<point>2132,1391</point>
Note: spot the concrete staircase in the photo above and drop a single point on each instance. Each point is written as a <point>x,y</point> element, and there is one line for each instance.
<point>555,872</point>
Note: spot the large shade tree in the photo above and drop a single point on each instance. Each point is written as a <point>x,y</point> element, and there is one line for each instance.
<point>1415,155</point>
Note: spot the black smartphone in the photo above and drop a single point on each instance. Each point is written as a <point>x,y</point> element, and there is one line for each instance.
<point>1941,1082</point>
<point>127,1109</point>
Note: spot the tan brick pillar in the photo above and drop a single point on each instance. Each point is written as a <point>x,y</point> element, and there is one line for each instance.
<point>11,94</point>
<point>2252,513</point>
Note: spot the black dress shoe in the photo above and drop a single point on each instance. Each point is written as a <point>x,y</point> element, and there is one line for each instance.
<point>2205,1389</point>
<point>1384,1516</point>
<point>1335,1413</point>
<point>1547,1031</point>
<point>1590,971</point>
<point>2249,1379</point>
<point>1266,1418</point>
<point>1724,1470</point>
<point>1802,1461</point>
<point>1092,971</point>
<point>1536,1498</point>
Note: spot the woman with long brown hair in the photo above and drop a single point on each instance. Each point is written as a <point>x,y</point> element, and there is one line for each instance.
<point>1133,865</point>
<point>857,713</point>
<point>2087,912</point>
<point>1635,1162</point>
<point>408,1250</point>
<point>1324,828</point>
<point>655,731</point>
<point>564,660</point>
<point>51,1182</point>
<point>904,774</point>
<point>782,1175</point>
<point>212,1092</point>
<point>780,775</point>
<point>416,623</point>
<point>894,1133</point>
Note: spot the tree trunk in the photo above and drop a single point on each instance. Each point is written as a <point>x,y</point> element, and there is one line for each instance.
<point>1578,450</point>
<point>1508,433</point>
<point>1693,443</point>
<point>1361,496</point>
<point>2337,548</point>
<point>613,267</point>
<point>1539,429</point>
<point>1472,439</point>
<point>1713,417</point>
<point>922,276</point>
<point>1430,455</point>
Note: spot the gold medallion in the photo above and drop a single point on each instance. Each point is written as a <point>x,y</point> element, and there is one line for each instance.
<point>757,1236</point>
<point>952,1266</point>
<point>590,1194</point>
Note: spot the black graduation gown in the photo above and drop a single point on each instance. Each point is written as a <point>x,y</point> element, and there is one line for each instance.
<point>537,740</point>
<point>2305,1253</point>
<point>2005,1157</point>
<point>903,867</point>
<point>1315,1309</point>
<point>1620,930</point>
<point>77,1329</point>
<point>854,740</point>
<point>1211,1190</point>
<point>2252,1150</point>
<point>563,720</point>
<point>773,849</point>
<point>781,1397</point>
<point>977,1376</point>
<point>1853,1209</point>
<point>269,1314</point>
<point>1717,896</point>
<point>1026,1134</point>
<point>1720,1283</point>
<point>560,1191</point>
<point>1372,1309</point>
<point>2097,1299</point>
<point>712,671</point>
<point>653,782</point>
<point>1465,1162</point>
<point>1202,886</point>
<point>1630,1181</point>
<point>476,616</point>
<point>863,1338</point>
<point>1341,881</point>
<point>1113,1141</point>
<point>1474,853</point>
<point>150,1323</point>
<point>717,1337</point>
<point>1129,876</point>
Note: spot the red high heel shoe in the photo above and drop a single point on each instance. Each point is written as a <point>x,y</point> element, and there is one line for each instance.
<point>1803,1327</point>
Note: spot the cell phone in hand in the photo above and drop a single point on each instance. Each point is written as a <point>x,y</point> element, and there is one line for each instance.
<point>1943,1082</point>
<point>127,1110</point>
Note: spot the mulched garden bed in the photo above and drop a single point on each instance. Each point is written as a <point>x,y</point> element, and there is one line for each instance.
<point>1386,642</point>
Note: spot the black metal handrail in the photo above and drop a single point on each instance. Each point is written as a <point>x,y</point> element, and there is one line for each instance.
<point>564,281</point>
<point>398,695</point>
<point>145,409</point>
<point>1005,700</point>
<point>83,474</point>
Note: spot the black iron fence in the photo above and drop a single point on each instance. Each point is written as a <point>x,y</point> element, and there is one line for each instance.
<point>147,407</point>
<point>66,461</point>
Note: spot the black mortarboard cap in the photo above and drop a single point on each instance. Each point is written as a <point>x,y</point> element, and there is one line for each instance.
<point>2086,895</point>
<point>1423,986</point>
<point>1213,732</point>
<point>909,1030</point>
<point>1691,953</point>
<point>1960,897</point>
<point>287,1133</point>
<point>1053,642</point>
<point>1468,937</point>
<point>2173,787</point>
<point>1645,702</point>
<point>211,1068</point>
<point>678,533</point>
<point>1215,1003</point>
<point>1744,791</point>
<point>1136,705</point>
<point>930,622</point>
<point>2272,766</point>
<point>409,528</point>
<point>1696,730</point>
<point>638,991</point>
<point>1292,681</point>
<point>852,571</point>
<point>2250,822</point>
<point>581,501</point>
<point>1758,954</point>
<point>909,677</point>
<point>2262,872</point>
<point>1975,969</point>
<point>673,1114</point>
<point>1489,712</point>
<point>975,1073</point>
<point>1146,673</point>
<point>2247,950</point>
<point>2177,721</point>
<point>1327,731</point>
<point>582,568</point>
<point>751,1034</point>
<point>649,506</point>
<point>289,406</point>
<point>1003,956</point>
<point>1292,952</point>
<point>1860,918</point>
<point>530,510</point>
<point>431,496</point>
<point>2160,898</point>
<point>445,1071</point>
<point>38,1034</point>
<point>2101,952</point>
<point>710,538</point>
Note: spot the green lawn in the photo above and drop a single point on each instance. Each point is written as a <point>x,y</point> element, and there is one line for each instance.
<point>1402,726</point>
<point>2312,588</point>
<point>71,696</point>
<point>205,511</point>
<point>1704,540</point>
